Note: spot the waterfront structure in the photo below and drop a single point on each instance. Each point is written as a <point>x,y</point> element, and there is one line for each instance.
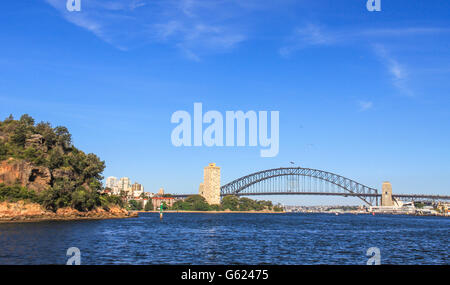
<point>386,195</point>
<point>157,201</point>
<point>210,187</point>
<point>444,208</point>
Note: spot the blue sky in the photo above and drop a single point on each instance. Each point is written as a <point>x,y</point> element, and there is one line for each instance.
<point>362,94</point>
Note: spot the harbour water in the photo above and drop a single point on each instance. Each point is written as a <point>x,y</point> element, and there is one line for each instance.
<point>197,238</point>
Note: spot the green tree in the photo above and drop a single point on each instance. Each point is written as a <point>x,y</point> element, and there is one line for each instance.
<point>182,205</point>
<point>278,208</point>
<point>19,136</point>
<point>246,204</point>
<point>47,132</point>
<point>419,205</point>
<point>53,199</point>
<point>107,201</point>
<point>3,151</point>
<point>63,137</point>
<point>64,185</point>
<point>193,203</point>
<point>83,199</point>
<point>135,205</point>
<point>93,167</point>
<point>149,205</point>
<point>230,202</point>
<point>197,203</point>
<point>95,185</point>
<point>27,120</point>
<point>55,158</point>
<point>30,153</point>
<point>15,193</point>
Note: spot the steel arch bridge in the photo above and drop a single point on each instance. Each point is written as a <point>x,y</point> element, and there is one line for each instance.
<point>299,181</point>
<point>308,181</point>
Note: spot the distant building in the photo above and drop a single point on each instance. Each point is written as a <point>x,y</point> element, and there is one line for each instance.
<point>161,192</point>
<point>149,195</point>
<point>444,208</point>
<point>137,189</point>
<point>157,201</point>
<point>111,182</point>
<point>210,187</point>
<point>124,185</point>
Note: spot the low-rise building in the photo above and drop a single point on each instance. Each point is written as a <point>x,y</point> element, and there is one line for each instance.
<point>137,190</point>
<point>157,201</point>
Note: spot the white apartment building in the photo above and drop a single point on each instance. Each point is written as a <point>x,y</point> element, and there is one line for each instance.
<point>125,184</point>
<point>111,182</point>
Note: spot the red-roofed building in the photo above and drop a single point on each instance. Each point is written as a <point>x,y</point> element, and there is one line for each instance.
<point>157,201</point>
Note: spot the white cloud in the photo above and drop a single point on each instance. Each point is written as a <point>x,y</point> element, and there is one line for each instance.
<point>313,35</point>
<point>365,105</point>
<point>396,32</point>
<point>310,35</point>
<point>195,27</point>
<point>399,74</point>
<point>199,38</point>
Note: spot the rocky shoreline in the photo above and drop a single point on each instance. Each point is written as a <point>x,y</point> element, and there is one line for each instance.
<point>216,212</point>
<point>22,211</point>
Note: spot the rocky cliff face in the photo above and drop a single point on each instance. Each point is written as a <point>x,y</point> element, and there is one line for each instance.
<point>37,178</point>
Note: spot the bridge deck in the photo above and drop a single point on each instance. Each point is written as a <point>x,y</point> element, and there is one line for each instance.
<point>398,196</point>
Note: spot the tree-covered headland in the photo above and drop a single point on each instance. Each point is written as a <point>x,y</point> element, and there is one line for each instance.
<point>71,178</point>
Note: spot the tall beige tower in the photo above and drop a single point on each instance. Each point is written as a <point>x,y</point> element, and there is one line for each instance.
<point>210,187</point>
<point>386,195</point>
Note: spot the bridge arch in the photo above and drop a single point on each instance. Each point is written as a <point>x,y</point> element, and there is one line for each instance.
<point>341,185</point>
